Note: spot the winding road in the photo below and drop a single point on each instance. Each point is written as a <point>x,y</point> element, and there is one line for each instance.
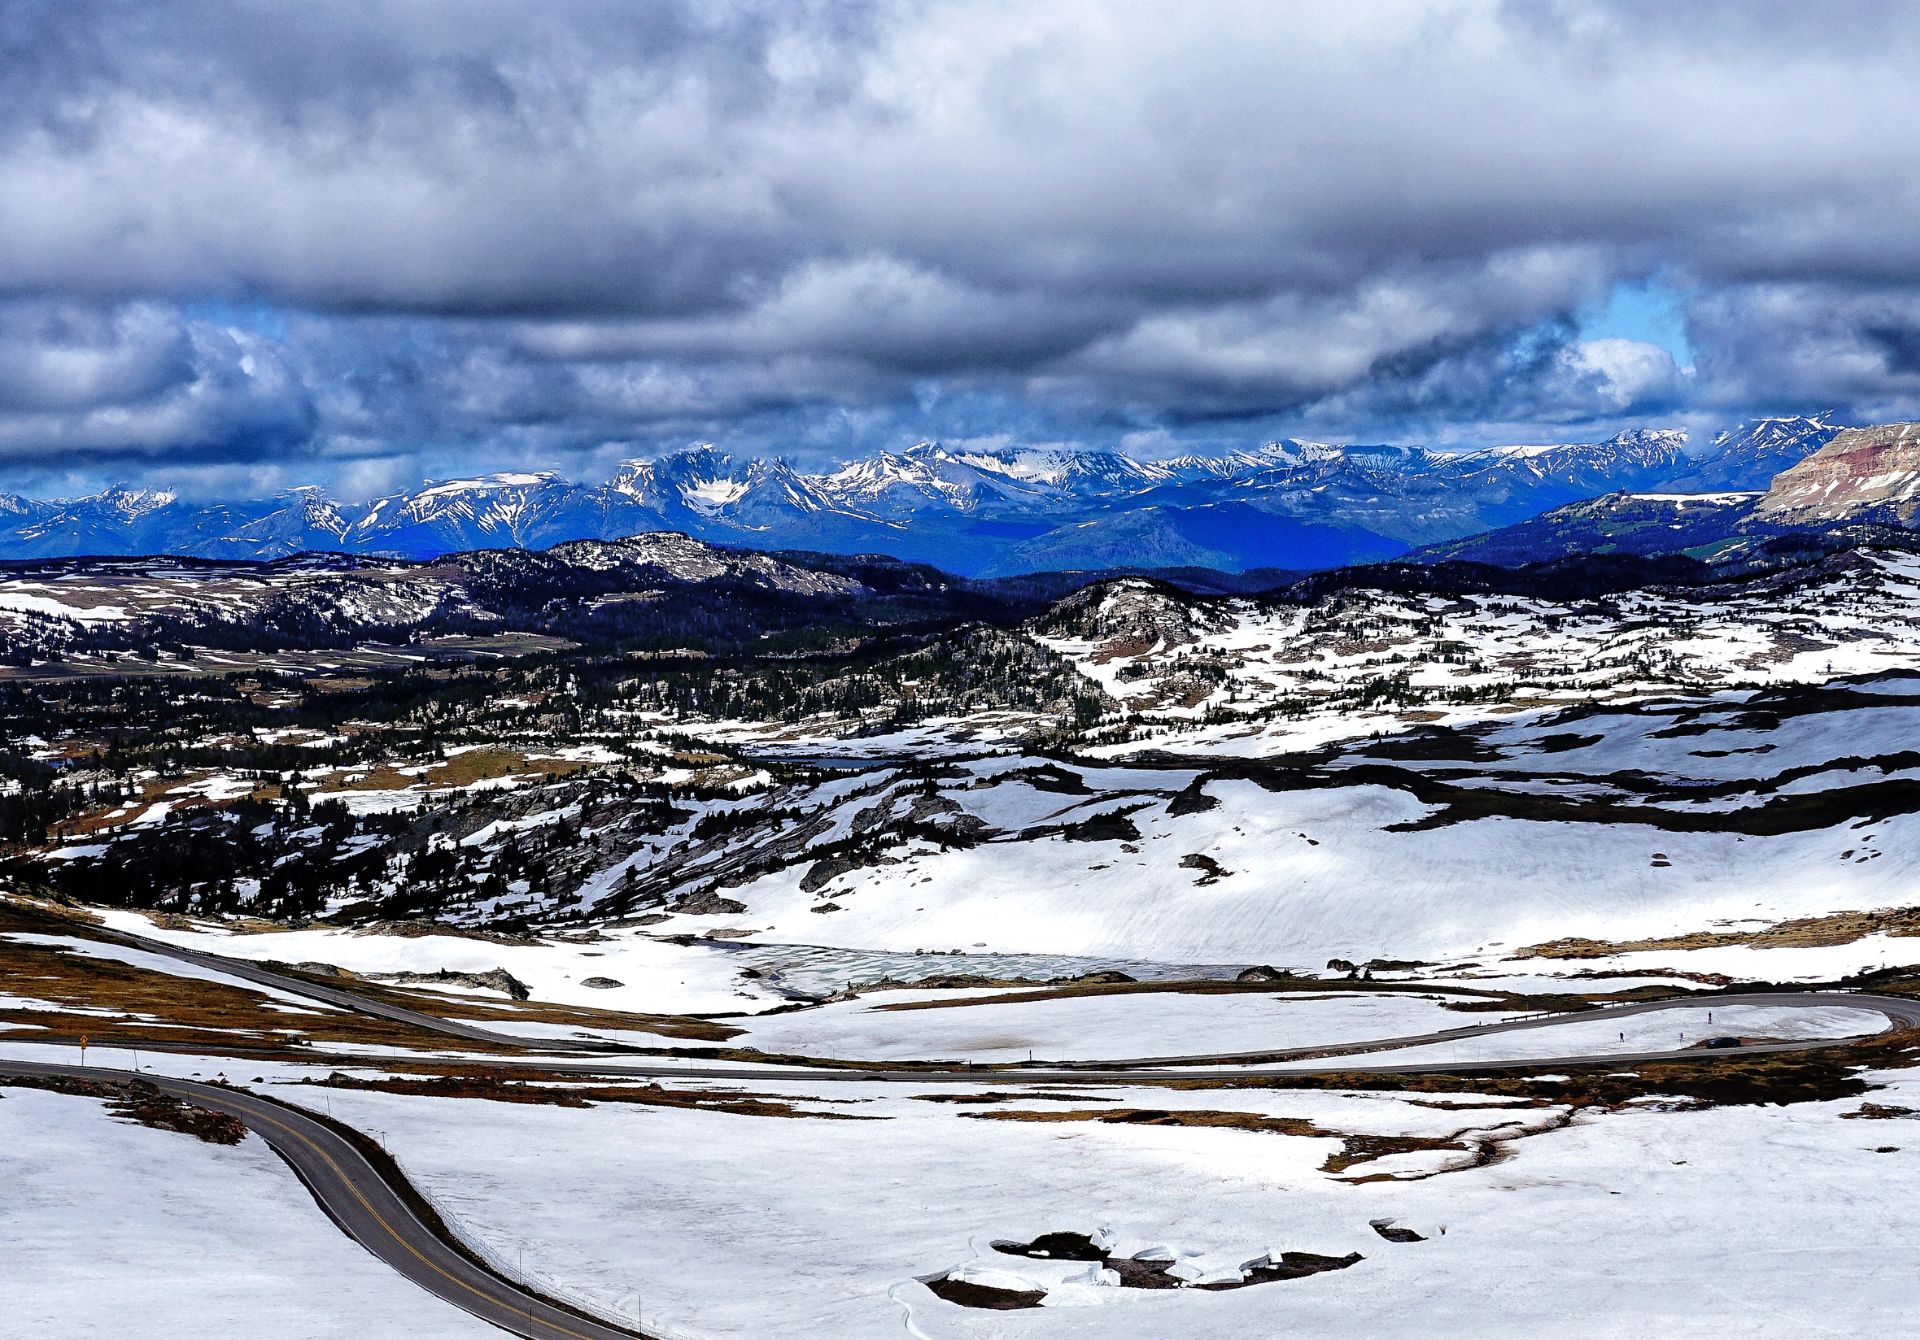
<point>249,971</point>
<point>371,1201</point>
<point>1900,1011</point>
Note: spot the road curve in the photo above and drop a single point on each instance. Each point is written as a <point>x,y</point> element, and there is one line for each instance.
<point>372,1204</point>
<point>1901,1012</point>
<point>1108,1074</point>
<point>363,1199</point>
<point>347,1000</point>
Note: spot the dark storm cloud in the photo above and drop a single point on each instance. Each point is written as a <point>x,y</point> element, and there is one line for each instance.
<point>62,359</point>
<point>141,381</point>
<point>1811,344</point>
<point>490,227</point>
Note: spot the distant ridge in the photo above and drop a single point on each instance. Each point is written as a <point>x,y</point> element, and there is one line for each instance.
<point>1860,487</point>
<point>1289,504</point>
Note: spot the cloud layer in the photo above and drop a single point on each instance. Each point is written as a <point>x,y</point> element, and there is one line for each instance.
<point>366,239</point>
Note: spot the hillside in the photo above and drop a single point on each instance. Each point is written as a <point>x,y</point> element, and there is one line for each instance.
<point>1860,486</point>
<point>1042,781</point>
<point>1863,474</point>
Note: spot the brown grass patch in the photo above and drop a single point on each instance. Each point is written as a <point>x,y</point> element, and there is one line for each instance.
<point>152,792</point>
<point>476,765</point>
<point>1815,1074</point>
<point>1482,1145</point>
<point>1358,1149</point>
<point>1835,928</point>
<point>142,1102</point>
<point>1566,1002</point>
<point>1148,1116</point>
<point>564,1091</point>
<point>156,1006</point>
<point>982,1295</point>
<point>488,763</point>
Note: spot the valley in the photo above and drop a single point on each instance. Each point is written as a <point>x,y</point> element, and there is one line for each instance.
<point>647,844</point>
<point>959,671</point>
<point>1392,913</point>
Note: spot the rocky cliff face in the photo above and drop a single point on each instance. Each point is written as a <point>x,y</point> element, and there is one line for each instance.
<point>1862,473</point>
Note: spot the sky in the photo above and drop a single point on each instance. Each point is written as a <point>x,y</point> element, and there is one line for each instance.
<point>354,243</point>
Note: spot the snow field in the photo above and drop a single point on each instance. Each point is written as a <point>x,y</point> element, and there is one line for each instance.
<point>1318,874</point>
<point>1619,1225</point>
<point>110,1229</point>
<point>656,977</point>
<point>1088,1028</point>
<point>1664,1030</point>
<point>161,963</point>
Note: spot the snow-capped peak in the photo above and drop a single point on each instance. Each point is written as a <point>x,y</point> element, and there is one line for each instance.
<point>490,483</point>
<point>133,503</point>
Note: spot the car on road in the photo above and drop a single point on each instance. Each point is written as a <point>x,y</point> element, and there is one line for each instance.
<point>1718,1043</point>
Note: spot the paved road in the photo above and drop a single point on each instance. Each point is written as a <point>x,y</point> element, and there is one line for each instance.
<point>368,1207</point>
<point>371,1204</point>
<point>1900,1011</point>
<point>345,999</point>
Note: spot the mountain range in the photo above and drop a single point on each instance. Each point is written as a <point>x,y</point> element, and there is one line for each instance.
<point>1288,504</point>
<point>1861,485</point>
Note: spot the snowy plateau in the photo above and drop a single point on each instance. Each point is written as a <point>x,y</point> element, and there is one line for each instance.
<point>951,670</point>
<point>643,935</point>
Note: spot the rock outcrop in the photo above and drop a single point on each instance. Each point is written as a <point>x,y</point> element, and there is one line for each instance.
<point>1863,473</point>
<point>495,979</point>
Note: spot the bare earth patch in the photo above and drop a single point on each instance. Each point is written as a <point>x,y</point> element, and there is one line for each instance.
<point>1835,928</point>
<point>139,1101</point>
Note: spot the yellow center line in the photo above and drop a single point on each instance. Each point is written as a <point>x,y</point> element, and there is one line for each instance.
<point>381,1219</point>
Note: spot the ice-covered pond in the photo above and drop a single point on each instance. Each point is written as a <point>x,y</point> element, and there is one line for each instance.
<point>819,970</point>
